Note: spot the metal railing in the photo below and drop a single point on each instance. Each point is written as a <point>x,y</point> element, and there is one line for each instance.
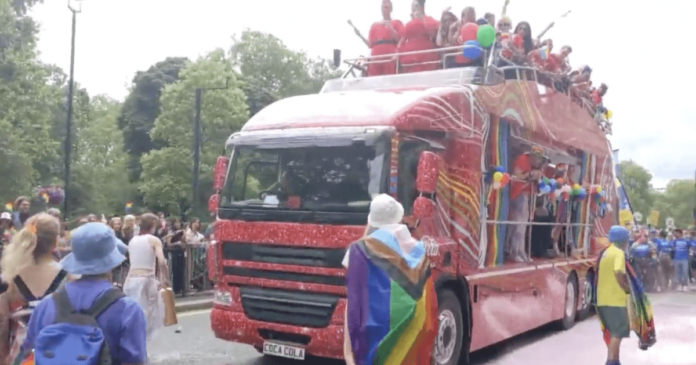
<point>194,267</point>
<point>494,64</point>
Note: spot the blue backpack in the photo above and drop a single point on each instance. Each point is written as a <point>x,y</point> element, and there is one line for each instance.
<point>75,336</point>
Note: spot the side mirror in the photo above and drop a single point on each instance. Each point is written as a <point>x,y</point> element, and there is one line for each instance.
<point>428,171</point>
<point>336,58</point>
<point>214,203</point>
<point>423,208</point>
<point>220,172</point>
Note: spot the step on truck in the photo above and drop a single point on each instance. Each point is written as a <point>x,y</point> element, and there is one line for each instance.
<point>295,187</point>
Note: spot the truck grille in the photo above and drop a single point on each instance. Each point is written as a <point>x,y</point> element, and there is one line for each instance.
<point>301,256</point>
<point>288,307</point>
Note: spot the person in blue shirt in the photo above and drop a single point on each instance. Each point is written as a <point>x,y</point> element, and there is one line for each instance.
<point>664,253</point>
<point>641,254</point>
<point>95,252</point>
<point>680,260</point>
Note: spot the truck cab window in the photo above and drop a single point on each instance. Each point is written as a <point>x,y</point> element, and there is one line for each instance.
<point>409,153</point>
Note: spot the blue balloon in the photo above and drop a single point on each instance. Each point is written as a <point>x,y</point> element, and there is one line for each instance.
<point>552,183</point>
<point>602,193</point>
<point>500,169</point>
<point>542,186</point>
<point>546,189</point>
<point>472,50</point>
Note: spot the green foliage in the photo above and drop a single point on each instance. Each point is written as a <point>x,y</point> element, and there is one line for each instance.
<point>636,181</point>
<point>677,201</point>
<point>141,108</point>
<point>166,179</point>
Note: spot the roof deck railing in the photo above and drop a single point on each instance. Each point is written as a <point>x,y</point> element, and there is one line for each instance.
<point>491,69</point>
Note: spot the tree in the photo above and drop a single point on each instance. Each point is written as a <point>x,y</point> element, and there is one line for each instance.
<point>166,178</point>
<point>267,61</point>
<point>100,185</point>
<point>677,201</point>
<point>142,107</point>
<point>26,97</point>
<point>636,181</point>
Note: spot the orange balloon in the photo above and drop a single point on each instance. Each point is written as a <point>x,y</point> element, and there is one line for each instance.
<point>560,181</point>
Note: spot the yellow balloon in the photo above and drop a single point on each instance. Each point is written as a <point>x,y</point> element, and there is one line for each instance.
<point>576,186</point>
<point>608,114</point>
<point>599,189</point>
<point>497,176</point>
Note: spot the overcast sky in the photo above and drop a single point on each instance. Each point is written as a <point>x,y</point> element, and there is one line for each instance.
<point>635,47</point>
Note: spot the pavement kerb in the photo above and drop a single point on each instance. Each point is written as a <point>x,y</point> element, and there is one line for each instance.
<point>194,305</point>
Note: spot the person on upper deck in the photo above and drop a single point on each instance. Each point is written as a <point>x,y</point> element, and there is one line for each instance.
<point>521,43</point>
<point>455,38</point>
<point>526,169</point>
<point>448,18</point>
<point>504,27</point>
<point>419,35</point>
<point>383,38</point>
<point>490,18</point>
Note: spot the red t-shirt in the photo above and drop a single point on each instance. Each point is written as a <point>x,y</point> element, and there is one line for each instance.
<point>516,42</point>
<point>552,63</point>
<point>381,32</point>
<point>596,98</point>
<point>523,165</point>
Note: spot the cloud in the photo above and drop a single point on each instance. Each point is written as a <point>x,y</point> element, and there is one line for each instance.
<point>644,63</point>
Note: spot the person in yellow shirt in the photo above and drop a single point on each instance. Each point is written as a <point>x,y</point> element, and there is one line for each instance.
<point>613,291</point>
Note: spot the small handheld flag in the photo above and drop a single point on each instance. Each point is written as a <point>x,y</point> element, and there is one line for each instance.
<point>128,206</point>
<point>8,206</point>
<point>45,198</point>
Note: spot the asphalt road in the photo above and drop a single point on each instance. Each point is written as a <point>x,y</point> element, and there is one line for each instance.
<point>675,315</point>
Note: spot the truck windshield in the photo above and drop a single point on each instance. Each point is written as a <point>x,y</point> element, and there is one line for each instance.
<point>306,179</point>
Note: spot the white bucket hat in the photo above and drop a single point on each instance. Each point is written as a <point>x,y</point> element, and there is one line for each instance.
<point>384,211</point>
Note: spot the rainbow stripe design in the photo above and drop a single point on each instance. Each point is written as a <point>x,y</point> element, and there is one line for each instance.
<point>392,305</point>
<point>498,200</point>
<point>8,206</point>
<point>642,315</point>
<point>580,207</point>
<point>394,166</point>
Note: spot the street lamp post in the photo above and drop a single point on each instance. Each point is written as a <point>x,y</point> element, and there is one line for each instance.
<point>197,143</point>
<point>68,123</point>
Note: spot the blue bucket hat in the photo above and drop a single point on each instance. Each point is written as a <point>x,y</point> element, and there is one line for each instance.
<point>95,250</point>
<point>618,234</point>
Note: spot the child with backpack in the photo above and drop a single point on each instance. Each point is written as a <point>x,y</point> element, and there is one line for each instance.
<point>88,321</point>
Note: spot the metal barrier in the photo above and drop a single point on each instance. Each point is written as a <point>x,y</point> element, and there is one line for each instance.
<point>195,268</point>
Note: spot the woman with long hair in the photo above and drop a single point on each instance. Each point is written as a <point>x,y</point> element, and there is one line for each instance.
<point>148,273</point>
<point>521,43</point>
<point>419,35</point>
<point>389,288</point>
<point>29,266</point>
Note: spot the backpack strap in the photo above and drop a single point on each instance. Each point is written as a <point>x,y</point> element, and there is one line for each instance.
<point>23,289</point>
<point>104,301</point>
<point>64,307</point>
<point>57,281</point>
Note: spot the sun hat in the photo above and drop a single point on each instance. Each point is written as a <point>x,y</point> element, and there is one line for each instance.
<point>6,215</point>
<point>95,250</point>
<point>384,210</point>
<point>618,234</point>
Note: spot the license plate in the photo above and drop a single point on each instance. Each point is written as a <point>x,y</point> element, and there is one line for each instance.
<point>290,352</point>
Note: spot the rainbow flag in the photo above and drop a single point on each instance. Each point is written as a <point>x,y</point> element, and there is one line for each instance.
<point>128,206</point>
<point>8,206</point>
<point>392,305</point>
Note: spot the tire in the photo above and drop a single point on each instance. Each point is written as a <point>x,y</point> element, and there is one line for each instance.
<point>585,299</point>
<point>570,308</point>
<point>450,332</point>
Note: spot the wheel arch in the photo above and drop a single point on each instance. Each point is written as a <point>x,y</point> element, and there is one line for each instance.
<point>460,287</point>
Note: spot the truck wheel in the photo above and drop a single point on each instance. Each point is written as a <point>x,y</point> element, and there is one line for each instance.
<point>586,298</point>
<point>571,304</point>
<point>450,332</point>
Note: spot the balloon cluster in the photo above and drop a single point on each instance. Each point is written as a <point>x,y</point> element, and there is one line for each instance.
<point>599,196</point>
<point>498,177</point>
<point>560,189</point>
<point>476,38</point>
<point>50,194</point>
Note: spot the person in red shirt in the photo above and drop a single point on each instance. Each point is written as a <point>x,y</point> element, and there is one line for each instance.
<point>419,35</point>
<point>383,38</point>
<point>598,94</point>
<point>556,62</point>
<point>448,18</point>
<point>526,169</point>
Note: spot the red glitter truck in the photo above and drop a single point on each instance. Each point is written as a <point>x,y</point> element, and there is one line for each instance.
<point>295,190</point>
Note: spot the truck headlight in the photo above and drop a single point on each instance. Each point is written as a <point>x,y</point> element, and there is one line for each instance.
<point>222,297</point>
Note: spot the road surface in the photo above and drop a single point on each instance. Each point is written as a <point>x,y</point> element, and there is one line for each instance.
<point>675,315</point>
